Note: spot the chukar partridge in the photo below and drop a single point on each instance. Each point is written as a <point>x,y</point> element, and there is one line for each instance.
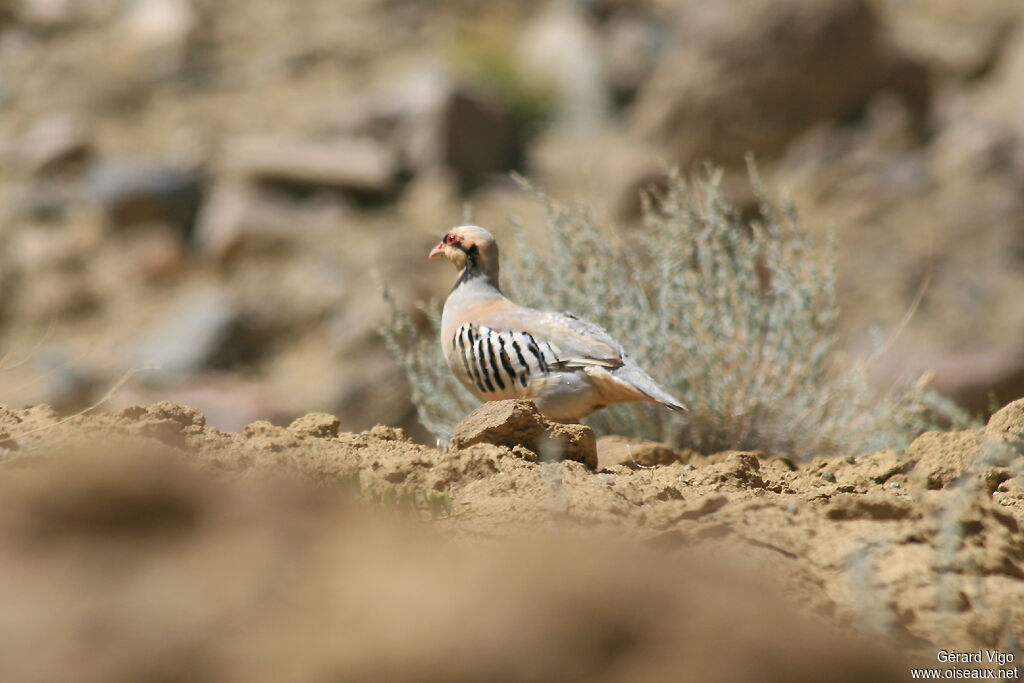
<point>499,350</point>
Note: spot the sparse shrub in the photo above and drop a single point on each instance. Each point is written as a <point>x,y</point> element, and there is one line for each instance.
<point>737,318</point>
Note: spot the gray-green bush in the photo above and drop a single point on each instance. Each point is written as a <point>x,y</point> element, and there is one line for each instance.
<point>737,318</point>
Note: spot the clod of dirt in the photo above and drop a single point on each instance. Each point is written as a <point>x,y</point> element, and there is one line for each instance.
<point>942,457</point>
<point>738,469</point>
<point>621,450</point>
<point>321,425</point>
<point>169,423</point>
<point>267,436</point>
<point>519,423</point>
<point>1008,423</point>
<point>879,507</point>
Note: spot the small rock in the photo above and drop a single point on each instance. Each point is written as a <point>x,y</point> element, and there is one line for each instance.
<point>362,168</point>
<point>828,476</point>
<point>321,425</point>
<point>511,423</point>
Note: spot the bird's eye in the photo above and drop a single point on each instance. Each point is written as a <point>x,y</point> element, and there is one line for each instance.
<point>450,239</point>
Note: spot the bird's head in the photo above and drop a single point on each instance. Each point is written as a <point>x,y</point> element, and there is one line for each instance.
<point>469,248</point>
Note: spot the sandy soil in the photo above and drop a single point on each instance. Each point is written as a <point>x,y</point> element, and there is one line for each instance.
<point>147,546</point>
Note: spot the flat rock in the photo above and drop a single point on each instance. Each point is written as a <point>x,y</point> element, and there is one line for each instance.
<point>133,192</point>
<point>518,423</point>
<point>364,168</point>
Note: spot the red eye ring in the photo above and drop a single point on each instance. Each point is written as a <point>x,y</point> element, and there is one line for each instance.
<point>450,239</point>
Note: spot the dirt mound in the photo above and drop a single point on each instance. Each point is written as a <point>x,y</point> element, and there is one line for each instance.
<point>246,556</point>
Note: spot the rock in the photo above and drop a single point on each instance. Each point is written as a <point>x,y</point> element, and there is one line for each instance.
<point>236,218</point>
<point>1000,96</point>
<point>633,46</point>
<point>456,124</point>
<point>519,423</point>
<point>48,15</point>
<point>156,253</point>
<point>60,294</point>
<point>942,457</point>
<point>132,192</point>
<point>620,450</point>
<point>320,425</point>
<point>1008,423</point>
<point>751,75</point>
<point>192,334</point>
<point>159,25</point>
<point>561,50</point>
<point>55,142</point>
<point>362,168</point>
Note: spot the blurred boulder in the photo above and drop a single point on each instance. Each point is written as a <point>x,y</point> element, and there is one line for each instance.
<point>438,120</point>
<point>237,218</point>
<point>48,15</point>
<point>461,126</point>
<point>633,46</point>
<point>751,75</point>
<point>1000,97</point>
<point>364,169</point>
<point>155,254</point>
<point>193,333</point>
<point>53,295</point>
<point>54,143</point>
<point>562,51</point>
<point>133,192</point>
<point>159,25</point>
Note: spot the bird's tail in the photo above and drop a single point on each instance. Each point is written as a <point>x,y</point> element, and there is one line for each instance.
<point>635,375</point>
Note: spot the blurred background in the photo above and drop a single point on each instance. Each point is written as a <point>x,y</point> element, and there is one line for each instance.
<point>219,187</point>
